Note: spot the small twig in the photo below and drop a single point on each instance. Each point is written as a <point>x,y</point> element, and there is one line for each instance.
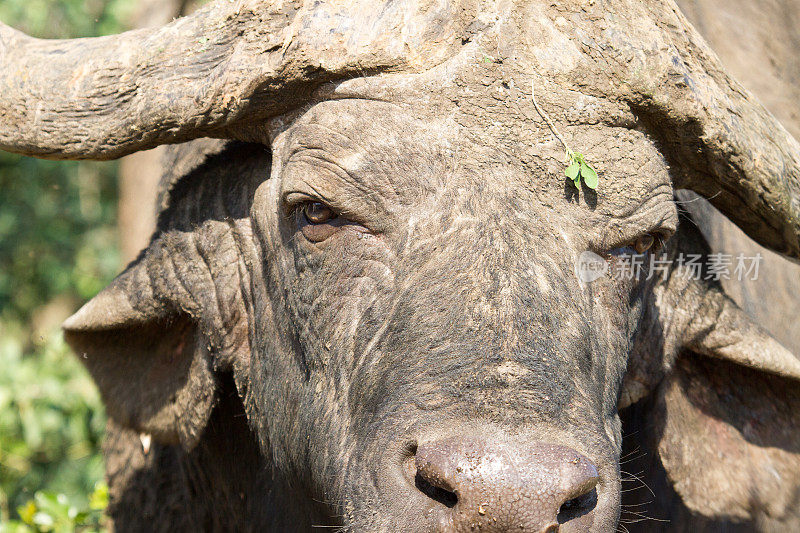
<point>578,168</point>
<point>549,122</point>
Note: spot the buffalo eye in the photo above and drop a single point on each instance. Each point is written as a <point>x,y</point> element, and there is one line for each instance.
<point>644,243</point>
<point>647,242</point>
<point>318,213</point>
<point>317,221</point>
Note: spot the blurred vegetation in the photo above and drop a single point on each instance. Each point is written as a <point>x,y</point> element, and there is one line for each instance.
<point>62,19</point>
<point>58,247</point>
<point>51,426</point>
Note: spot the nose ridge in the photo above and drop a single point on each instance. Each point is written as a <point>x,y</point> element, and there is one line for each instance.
<point>501,486</point>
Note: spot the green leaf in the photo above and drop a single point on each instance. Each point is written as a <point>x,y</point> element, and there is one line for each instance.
<point>572,170</point>
<point>27,512</point>
<point>589,176</point>
<point>98,500</point>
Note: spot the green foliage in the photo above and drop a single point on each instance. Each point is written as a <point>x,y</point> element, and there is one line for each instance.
<point>51,512</point>
<point>56,232</point>
<point>578,168</point>
<point>67,18</point>
<point>57,249</point>
<point>51,426</point>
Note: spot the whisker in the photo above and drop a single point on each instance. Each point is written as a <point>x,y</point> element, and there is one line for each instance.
<point>628,505</point>
<point>640,480</point>
<point>631,459</point>
<point>626,455</point>
<point>643,516</point>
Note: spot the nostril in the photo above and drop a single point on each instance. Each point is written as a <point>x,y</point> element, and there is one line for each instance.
<point>509,486</point>
<point>577,506</point>
<point>434,473</point>
<point>439,494</point>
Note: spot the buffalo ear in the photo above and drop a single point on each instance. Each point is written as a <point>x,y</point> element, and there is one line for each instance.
<point>148,358</point>
<point>730,409</point>
<point>716,398</point>
<point>155,338</point>
<point>729,439</point>
<point>725,416</point>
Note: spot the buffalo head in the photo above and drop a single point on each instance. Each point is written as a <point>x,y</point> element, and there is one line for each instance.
<point>378,254</point>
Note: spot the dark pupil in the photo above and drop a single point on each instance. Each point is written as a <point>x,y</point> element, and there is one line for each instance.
<point>317,212</point>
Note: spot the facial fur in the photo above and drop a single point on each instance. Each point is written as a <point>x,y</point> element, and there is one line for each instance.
<point>436,303</point>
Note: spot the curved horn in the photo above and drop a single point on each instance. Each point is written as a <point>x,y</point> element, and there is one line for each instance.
<point>106,97</point>
<point>723,142</point>
<point>229,63</point>
<point>243,61</point>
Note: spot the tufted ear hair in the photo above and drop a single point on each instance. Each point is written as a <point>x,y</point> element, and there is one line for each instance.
<point>155,337</point>
<point>720,403</point>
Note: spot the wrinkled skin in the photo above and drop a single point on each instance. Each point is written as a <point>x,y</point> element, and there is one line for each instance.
<point>292,369</point>
<point>438,309</point>
<point>339,316</point>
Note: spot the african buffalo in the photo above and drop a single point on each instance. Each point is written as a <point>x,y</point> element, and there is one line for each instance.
<point>360,308</point>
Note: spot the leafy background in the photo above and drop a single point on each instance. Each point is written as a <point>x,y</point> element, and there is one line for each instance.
<point>58,247</point>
